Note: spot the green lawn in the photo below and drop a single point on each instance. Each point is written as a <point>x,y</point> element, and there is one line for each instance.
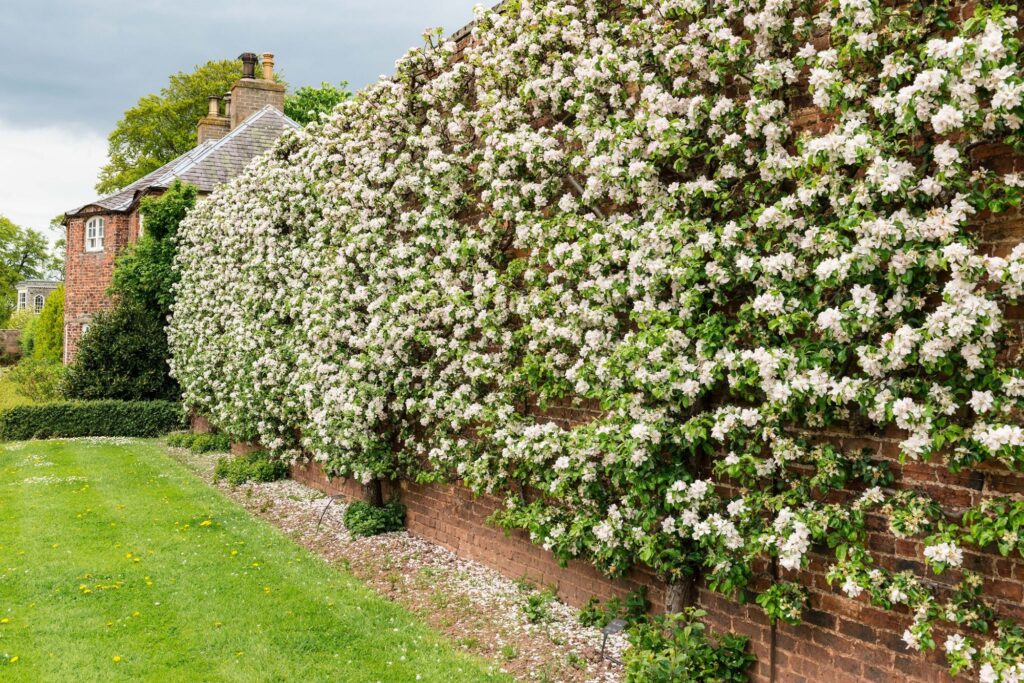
<point>117,564</point>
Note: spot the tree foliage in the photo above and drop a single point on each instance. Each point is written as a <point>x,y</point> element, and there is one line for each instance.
<point>162,126</point>
<point>49,329</point>
<point>308,102</point>
<point>145,270</point>
<point>24,254</point>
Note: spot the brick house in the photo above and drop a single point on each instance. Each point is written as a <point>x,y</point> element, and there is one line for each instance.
<point>252,119</point>
<point>32,293</point>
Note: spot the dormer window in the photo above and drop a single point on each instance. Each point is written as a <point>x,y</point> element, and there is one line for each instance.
<point>94,234</point>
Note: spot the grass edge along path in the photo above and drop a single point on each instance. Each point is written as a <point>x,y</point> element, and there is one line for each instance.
<point>117,563</point>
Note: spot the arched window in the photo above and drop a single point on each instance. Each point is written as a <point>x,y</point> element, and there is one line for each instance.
<point>94,234</point>
<point>39,301</point>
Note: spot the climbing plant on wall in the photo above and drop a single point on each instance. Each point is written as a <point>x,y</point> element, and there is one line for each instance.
<point>737,228</point>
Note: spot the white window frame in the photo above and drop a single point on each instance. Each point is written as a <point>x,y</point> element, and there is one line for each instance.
<point>141,221</point>
<point>94,233</point>
<point>85,329</point>
<point>22,301</point>
<point>38,303</point>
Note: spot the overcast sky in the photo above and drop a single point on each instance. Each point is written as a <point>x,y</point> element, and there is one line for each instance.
<point>69,69</point>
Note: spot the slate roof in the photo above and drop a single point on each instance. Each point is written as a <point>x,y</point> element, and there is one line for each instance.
<point>208,165</point>
<point>37,283</point>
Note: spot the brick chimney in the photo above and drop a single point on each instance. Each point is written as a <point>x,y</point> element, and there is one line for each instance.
<point>250,94</point>
<point>213,126</point>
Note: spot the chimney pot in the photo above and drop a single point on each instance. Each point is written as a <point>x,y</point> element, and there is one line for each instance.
<point>268,66</point>
<point>248,64</point>
<point>227,104</point>
<point>214,109</point>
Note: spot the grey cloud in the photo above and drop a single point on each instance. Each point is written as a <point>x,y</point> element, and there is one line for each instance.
<point>83,62</point>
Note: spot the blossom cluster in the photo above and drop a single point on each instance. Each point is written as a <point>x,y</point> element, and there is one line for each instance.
<point>719,228</point>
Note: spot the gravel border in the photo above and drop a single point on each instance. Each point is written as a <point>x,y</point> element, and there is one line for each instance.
<point>475,606</point>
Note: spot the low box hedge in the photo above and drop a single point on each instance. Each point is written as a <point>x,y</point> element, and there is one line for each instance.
<point>91,418</point>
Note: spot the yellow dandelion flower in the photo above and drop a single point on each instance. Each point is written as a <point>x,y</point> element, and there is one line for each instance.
<point>205,522</point>
<point>5,620</point>
<point>117,658</point>
<point>13,659</point>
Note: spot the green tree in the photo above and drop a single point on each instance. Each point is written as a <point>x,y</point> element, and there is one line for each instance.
<point>145,270</point>
<point>27,339</point>
<point>58,255</point>
<point>122,356</point>
<point>49,329</point>
<point>19,320</point>
<point>24,254</point>
<point>308,102</point>
<point>161,127</point>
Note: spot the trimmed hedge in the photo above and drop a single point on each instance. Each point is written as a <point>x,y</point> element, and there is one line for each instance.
<point>91,418</point>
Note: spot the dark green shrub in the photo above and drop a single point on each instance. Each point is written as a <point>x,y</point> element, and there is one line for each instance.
<point>123,356</point>
<point>38,379</point>
<point>675,648</point>
<point>363,519</point>
<point>91,418</point>
<point>257,466</point>
<point>200,443</point>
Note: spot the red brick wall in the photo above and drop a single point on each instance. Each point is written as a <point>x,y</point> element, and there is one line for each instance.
<point>87,273</point>
<point>841,639</point>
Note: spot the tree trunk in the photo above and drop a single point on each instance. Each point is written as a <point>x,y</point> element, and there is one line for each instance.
<point>374,493</point>
<point>679,596</point>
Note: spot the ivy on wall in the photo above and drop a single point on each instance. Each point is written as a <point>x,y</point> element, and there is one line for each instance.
<point>734,226</point>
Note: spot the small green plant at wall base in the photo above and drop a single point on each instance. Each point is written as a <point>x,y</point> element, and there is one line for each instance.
<point>200,443</point>
<point>675,648</point>
<point>257,466</point>
<point>179,439</point>
<point>634,610</point>
<point>363,519</point>
<point>537,606</point>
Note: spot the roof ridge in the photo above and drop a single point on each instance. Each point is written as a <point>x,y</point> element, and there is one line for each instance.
<point>194,160</point>
<point>221,142</point>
